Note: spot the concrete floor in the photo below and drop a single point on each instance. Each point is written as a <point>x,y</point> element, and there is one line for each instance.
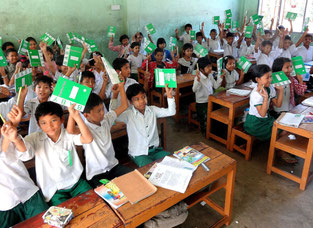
<point>260,200</point>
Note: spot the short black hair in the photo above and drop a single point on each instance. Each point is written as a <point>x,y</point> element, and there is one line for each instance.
<point>266,31</point>
<point>10,50</point>
<point>118,63</point>
<point>134,90</point>
<point>281,27</point>
<point>92,62</point>
<point>48,108</point>
<point>187,46</point>
<point>257,71</point>
<point>134,44</point>
<point>28,39</point>
<point>49,49</point>
<point>188,25</point>
<point>287,37</point>
<point>5,45</point>
<point>157,50</point>
<point>227,58</point>
<point>199,34</point>
<point>43,79</point>
<point>266,42</point>
<point>93,101</point>
<point>308,35</point>
<point>59,60</point>
<point>122,37</point>
<point>278,64</point>
<point>87,74</point>
<point>230,34</point>
<point>203,62</point>
<point>213,30</point>
<point>161,40</point>
<point>140,33</point>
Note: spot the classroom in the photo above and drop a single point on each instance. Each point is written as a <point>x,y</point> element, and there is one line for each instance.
<point>156,114</point>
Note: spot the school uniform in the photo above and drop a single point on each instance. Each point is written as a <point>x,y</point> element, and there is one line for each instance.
<point>20,198</point>
<point>143,137</point>
<point>30,109</point>
<point>307,54</point>
<point>187,67</point>
<point>230,49</point>
<point>245,50</point>
<point>10,69</point>
<point>185,38</point>
<point>214,44</point>
<point>255,124</point>
<point>72,77</point>
<point>166,56</point>
<point>289,52</point>
<point>267,59</point>
<point>58,168</point>
<point>231,78</point>
<point>135,62</point>
<point>6,106</point>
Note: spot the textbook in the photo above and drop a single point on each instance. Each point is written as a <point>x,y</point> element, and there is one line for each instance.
<point>215,20</point>
<point>308,102</point>
<point>111,31</point>
<point>36,58</point>
<point>150,47</point>
<point>291,16</point>
<point>172,44</point>
<point>59,43</point>
<point>23,78</point>
<point>261,28</point>
<point>291,120</point>
<point>239,92</point>
<point>220,66</point>
<point>244,64</point>
<point>113,75</point>
<point>24,46</point>
<point>79,38</point>
<point>57,216</point>
<point>165,76</point>
<point>70,37</point>
<point>3,60</point>
<point>72,56</point>
<point>228,13</point>
<point>111,194</point>
<point>92,46</point>
<point>298,65</point>
<point>248,31</point>
<point>150,29</point>
<point>256,19</point>
<point>47,38</point>
<point>67,92</point>
<point>227,23</point>
<point>191,155</point>
<point>234,26</point>
<point>192,34</point>
<point>279,78</point>
<point>307,119</point>
<point>199,50</point>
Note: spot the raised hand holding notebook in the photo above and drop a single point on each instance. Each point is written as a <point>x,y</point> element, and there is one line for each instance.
<point>150,47</point>
<point>150,29</point>
<point>279,78</point>
<point>215,20</point>
<point>248,31</point>
<point>200,51</point>
<point>92,46</point>
<point>172,44</point>
<point>298,65</point>
<point>244,64</point>
<point>59,43</point>
<point>47,38</point>
<point>165,76</point>
<point>256,19</point>
<point>79,38</point>
<point>3,61</point>
<point>70,37</point>
<point>36,58</point>
<point>228,13</point>
<point>23,78</point>
<point>111,31</point>
<point>291,16</point>
<point>192,34</point>
<point>113,75</point>
<point>72,56</point>
<point>24,46</point>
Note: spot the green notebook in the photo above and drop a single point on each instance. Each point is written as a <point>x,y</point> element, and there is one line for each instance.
<point>248,31</point>
<point>111,31</point>
<point>256,19</point>
<point>23,78</point>
<point>227,23</point>
<point>220,66</point>
<point>92,46</point>
<point>113,75</point>
<point>165,76</point>
<point>47,38</point>
<point>59,43</point>
<point>280,79</point>
<point>72,56</point>
<point>172,44</point>
<point>70,37</point>
<point>36,58</point>
<point>215,20</point>
<point>79,38</point>
<point>150,47</point>
<point>192,34</point>
<point>261,28</point>
<point>24,46</point>
<point>228,13</point>
<point>298,65</point>
<point>3,61</point>
<point>306,23</point>
<point>150,29</point>
<point>244,64</point>
<point>67,92</point>
<point>234,24</point>
<point>200,51</point>
<point>291,16</point>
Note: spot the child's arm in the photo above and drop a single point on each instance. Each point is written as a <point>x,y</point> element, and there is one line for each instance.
<point>171,110</point>
<point>17,70</point>
<point>84,52</point>
<point>112,47</point>
<point>271,26</point>
<point>43,48</point>
<point>176,34</point>
<point>4,76</point>
<point>105,79</point>
<point>241,77</point>
<point>243,25</point>
<point>279,100</point>
<point>116,89</point>
<point>71,127</point>
<point>86,136</point>
<point>150,38</point>
<point>240,40</point>
<point>70,71</point>
<point>299,86</point>
<point>202,31</point>
<point>302,37</point>
<point>196,83</point>
<point>257,43</point>
<point>262,109</point>
<point>9,133</point>
<point>221,29</point>
<point>291,28</point>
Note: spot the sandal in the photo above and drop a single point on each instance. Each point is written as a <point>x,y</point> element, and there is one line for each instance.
<point>287,158</point>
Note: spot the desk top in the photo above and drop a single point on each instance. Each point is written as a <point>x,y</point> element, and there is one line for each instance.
<point>185,78</point>
<point>230,98</point>
<point>304,110</point>
<point>219,165</point>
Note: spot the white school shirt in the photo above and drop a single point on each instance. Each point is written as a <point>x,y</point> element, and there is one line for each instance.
<point>289,52</point>
<point>307,54</point>
<point>267,59</point>
<point>128,82</point>
<point>15,184</point>
<point>30,108</point>
<point>142,129</point>
<point>231,78</point>
<point>186,38</point>
<point>135,62</point>
<point>72,77</point>
<point>286,106</point>
<point>30,93</point>
<point>6,106</point>
<point>98,81</point>
<point>214,44</point>
<point>204,88</point>
<point>230,49</point>
<point>100,154</point>
<point>244,50</point>
<point>53,170</point>
<point>256,99</point>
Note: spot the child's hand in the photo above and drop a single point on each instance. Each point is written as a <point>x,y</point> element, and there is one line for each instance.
<point>149,57</point>
<point>279,87</point>
<point>10,132</point>
<point>70,70</point>
<point>168,91</point>
<point>105,78</point>
<point>73,112</point>
<point>2,71</point>
<point>198,76</point>
<point>202,26</point>
<point>18,67</point>
<point>111,39</point>
<point>272,20</point>
<point>5,91</point>
<point>299,78</point>
<point>43,46</point>
<point>147,74</point>
<point>19,41</point>
<point>115,90</point>
<point>98,62</point>
<point>263,93</point>
<point>176,31</point>
<point>85,46</point>
<point>15,115</point>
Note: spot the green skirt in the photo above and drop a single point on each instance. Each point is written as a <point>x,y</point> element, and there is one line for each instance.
<point>259,127</point>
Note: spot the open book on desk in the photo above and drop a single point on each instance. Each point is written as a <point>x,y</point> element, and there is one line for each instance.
<point>239,92</point>
<point>291,119</point>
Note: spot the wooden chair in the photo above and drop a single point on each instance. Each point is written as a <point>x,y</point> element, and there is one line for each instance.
<point>192,110</point>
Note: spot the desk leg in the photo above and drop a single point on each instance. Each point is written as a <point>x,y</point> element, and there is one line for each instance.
<point>177,104</point>
<point>229,194</point>
<point>306,165</point>
<point>271,152</point>
<point>208,121</point>
<point>231,117</point>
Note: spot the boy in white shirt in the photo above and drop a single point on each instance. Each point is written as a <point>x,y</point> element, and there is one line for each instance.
<point>199,39</point>
<point>58,168</point>
<point>141,120</point>
<point>229,45</point>
<point>306,51</point>
<point>135,60</point>
<point>246,47</point>
<point>213,42</point>
<point>290,49</point>
<point>185,37</point>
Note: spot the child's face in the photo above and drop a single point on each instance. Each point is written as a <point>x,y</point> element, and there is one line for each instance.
<point>89,82</point>
<point>248,41</point>
<point>267,49</point>
<point>63,69</point>
<point>199,39</point>
<point>51,125</point>
<point>162,46</point>
<point>136,49</point>
<point>188,29</point>
<point>213,35</point>
<point>159,56</point>
<point>49,55</point>
<point>265,79</point>
<point>287,68</point>
<point>286,44</point>
<point>230,40</point>
<point>224,33</point>
<point>267,36</point>
<point>188,52</point>
<point>32,45</point>
<point>96,114</point>
<point>307,41</point>
<point>139,38</point>
<point>43,91</point>
<point>230,65</point>
<point>12,57</point>
<point>207,70</point>
<point>125,71</point>
<point>139,101</point>
<point>125,42</point>
<point>55,48</point>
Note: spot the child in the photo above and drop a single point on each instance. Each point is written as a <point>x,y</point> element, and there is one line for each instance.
<point>20,197</point>
<point>203,85</point>
<point>138,37</point>
<point>141,121</point>
<point>230,75</point>
<point>32,43</point>
<point>214,41</point>
<point>6,46</point>
<point>46,68</point>
<point>228,44</point>
<point>100,155</point>
<point>246,48</point>
<point>187,63</point>
<point>88,79</point>
<point>281,29</point>
<point>185,37</point>
<point>123,49</point>
<point>12,58</point>
<point>199,38</point>
<point>306,51</point>
<point>135,60</point>
<point>161,43</point>
<point>58,168</point>
<point>297,85</point>
<point>289,49</point>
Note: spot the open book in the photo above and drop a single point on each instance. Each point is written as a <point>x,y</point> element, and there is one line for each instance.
<point>308,102</point>
<point>292,120</point>
<point>191,155</point>
<point>239,92</point>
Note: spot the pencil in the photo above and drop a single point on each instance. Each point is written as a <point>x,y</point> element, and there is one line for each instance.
<point>3,120</point>
<point>19,95</point>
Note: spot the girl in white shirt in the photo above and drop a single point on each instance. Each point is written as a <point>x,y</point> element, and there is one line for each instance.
<point>230,76</point>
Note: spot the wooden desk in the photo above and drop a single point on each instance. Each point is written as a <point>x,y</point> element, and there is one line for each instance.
<point>220,165</point>
<point>89,211</point>
<point>233,106</point>
<point>301,147</point>
<point>305,96</point>
<point>118,130</point>
<point>182,81</point>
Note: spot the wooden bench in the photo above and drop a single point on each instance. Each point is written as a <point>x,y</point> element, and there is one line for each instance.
<point>238,132</point>
<point>192,110</point>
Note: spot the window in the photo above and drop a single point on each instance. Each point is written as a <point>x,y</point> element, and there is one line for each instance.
<point>278,9</point>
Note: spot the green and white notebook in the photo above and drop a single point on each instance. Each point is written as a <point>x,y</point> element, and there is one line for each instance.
<point>79,38</point>
<point>165,76</point>
<point>200,51</point>
<point>72,56</point>
<point>220,66</point>
<point>67,92</point>
<point>261,28</point>
<point>306,23</point>
<point>113,75</point>
<point>70,37</point>
<point>172,44</point>
<point>150,47</point>
<point>234,25</point>
<point>248,31</point>
<point>23,78</point>
<point>36,58</point>
<point>244,64</point>
<point>24,46</point>
<point>256,19</point>
<point>280,79</point>
<point>227,23</point>
<point>111,31</point>
<point>3,61</point>
<point>92,46</point>
<point>150,29</point>
<point>59,43</point>
<point>298,65</point>
<point>47,38</point>
<point>215,20</point>
<point>192,34</point>
<point>291,16</point>
<point>228,13</point>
